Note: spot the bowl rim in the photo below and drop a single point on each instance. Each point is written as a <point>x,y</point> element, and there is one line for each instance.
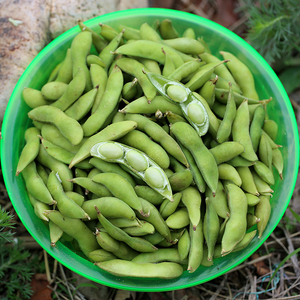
<point>160,12</point>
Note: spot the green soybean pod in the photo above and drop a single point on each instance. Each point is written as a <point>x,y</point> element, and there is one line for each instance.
<point>241,74</point>
<point>30,150</point>
<point>169,65</point>
<point>185,70</point>
<point>211,227</point>
<point>149,194</point>
<point>241,131</point>
<point>185,45</point>
<point>277,161</point>
<point>264,172</point>
<point>75,228</point>
<point>120,188</point>
<point>265,151</point>
<point>261,185</point>
<point>191,198</point>
<point>111,132</point>
<point>34,98</point>
<point>141,141</point>
<point>53,90</point>
<point>167,30</point>
<point>224,130</point>
<point>236,226</point>
<point>159,135</point>
<point>263,212</point>
<point>54,73</point>
<point>207,91</point>
<point>228,172</point>
<point>98,42</point>
<point>178,219</point>
<point>184,245</point>
<point>136,243</point>
<point>108,167</point>
<point>204,159</point>
<point>154,217</point>
<point>248,183</point>
<point>196,247</point>
<point>161,255</point>
<point>256,126</point>
<point>167,207</point>
<point>80,49</point>
<point>271,128</point>
<point>141,230</point>
<point>226,151</point>
<point>69,127</point>
<point>39,207</point>
<point>57,166</point>
<point>65,72</point>
<point>110,207</point>
<point>181,180</point>
<point>130,33</point>
<point>163,270</point>
<point>65,205</point>
<point>107,104</point>
<point>101,255</point>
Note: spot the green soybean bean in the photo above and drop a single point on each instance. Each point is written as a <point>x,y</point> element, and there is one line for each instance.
<point>263,212</point>
<point>136,243</point>
<point>226,151</point>
<point>248,183</point>
<point>224,130</point>
<point>204,159</point>
<point>101,255</point>
<point>163,270</point>
<point>98,42</point>
<point>196,248</point>
<point>241,131</point>
<point>150,50</point>
<point>161,255</point>
<point>82,106</point>
<point>256,126</point>
<point>141,141</point>
<point>264,172</point>
<point>237,224</point>
<point>159,135</point>
<point>211,227</point>
<point>30,150</point>
<point>167,30</point>
<point>68,127</point>
<point>75,228</point>
<point>109,101</point>
<point>53,90</point>
<point>141,106</point>
<point>149,194</point>
<point>65,204</point>
<point>241,74</point>
<point>219,200</point>
<point>111,132</point>
<point>277,161</point>
<point>120,188</point>
<point>191,198</point>
<point>228,172</point>
<point>34,98</point>
<point>115,247</point>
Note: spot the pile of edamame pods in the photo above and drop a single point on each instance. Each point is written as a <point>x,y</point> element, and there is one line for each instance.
<point>148,153</point>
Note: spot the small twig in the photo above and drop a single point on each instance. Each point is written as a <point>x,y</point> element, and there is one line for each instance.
<point>219,289</point>
<point>47,266</point>
<point>65,279</point>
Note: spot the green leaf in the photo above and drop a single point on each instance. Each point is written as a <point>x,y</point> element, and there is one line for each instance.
<point>290,78</point>
<point>296,216</point>
<point>84,284</point>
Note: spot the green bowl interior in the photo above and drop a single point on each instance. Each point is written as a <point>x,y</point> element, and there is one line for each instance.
<point>219,38</point>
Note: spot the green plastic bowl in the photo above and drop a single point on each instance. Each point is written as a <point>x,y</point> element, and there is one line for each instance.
<point>219,38</point>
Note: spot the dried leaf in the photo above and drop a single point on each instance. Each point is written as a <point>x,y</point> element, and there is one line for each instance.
<point>40,287</point>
